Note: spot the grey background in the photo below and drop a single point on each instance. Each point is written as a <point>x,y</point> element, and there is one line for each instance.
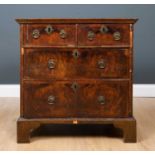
<point>144,55</point>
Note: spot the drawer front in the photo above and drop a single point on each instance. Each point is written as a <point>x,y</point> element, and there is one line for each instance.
<point>43,100</point>
<point>50,35</point>
<point>103,34</point>
<point>104,99</point>
<point>76,63</point>
<point>78,98</point>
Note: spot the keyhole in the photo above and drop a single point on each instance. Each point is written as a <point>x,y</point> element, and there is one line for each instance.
<point>74,86</point>
<point>49,30</point>
<point>76,54</point>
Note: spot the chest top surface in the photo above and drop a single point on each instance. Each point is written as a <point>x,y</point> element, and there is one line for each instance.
<point>77,20</point>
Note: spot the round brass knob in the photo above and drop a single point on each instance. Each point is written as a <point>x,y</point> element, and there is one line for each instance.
<point>51,99</point>
<point>101,99</point>
<point>63,34</point>
<point>51,64</point>
<point>91,35</point>
<point>36,33</point>
<point>117,36</point>
<point>101,64</point>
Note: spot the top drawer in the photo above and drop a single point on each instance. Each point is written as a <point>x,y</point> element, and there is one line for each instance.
<point>103,34</point>
<point>72,35</point>
<point>50,35</point>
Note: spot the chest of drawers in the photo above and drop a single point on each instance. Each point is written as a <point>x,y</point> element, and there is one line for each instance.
<point>76,71</point>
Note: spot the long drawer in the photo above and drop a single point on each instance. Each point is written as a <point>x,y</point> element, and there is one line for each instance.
<point>56,63</point>
<point>80,98</point>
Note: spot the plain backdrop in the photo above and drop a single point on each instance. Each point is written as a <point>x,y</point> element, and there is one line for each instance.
<point>144,42</point>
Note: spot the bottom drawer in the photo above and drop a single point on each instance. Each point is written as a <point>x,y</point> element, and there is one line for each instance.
<point>91,98</point>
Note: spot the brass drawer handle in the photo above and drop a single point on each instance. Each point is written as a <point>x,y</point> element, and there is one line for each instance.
<point>101,99</point>
<point>51,99</point>
<point>91,35</point>
<point>49,29</point>
<point>117,36</point>
<point>75,54</point>
<point>63,34</point>
<point>74,86</point>
<point>51,64</point>
<point>104,29</point>
<point>35,34</point>
<point>101,64</point>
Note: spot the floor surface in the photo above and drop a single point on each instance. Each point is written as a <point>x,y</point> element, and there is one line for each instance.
<point>84,138</point>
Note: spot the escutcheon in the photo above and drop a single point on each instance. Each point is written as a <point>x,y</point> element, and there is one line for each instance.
<point>76,54</point>
<point>74,86</point>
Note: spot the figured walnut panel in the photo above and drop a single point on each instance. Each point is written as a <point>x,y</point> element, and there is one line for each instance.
<point>101,39</point>
<point>116,63</point>
<point>116,99</point>
<point>53,39</point>
<point>36,104</point>
<point>82,102</point>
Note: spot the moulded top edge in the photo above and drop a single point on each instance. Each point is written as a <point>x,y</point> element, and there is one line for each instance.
<point>77,20</point>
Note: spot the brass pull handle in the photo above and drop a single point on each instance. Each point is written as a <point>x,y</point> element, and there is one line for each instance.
<point>91,35</point>
<point>51,99</point>
<point>75,86</point>
<point>104,29</point>
<point>63,34</point>
<point>75,54</point>
<point>49,29</point>
<point>51,64</point>
<point>117,36</point>
<point>101,99</point>
<point>36,33</point>
<point>101,64</point>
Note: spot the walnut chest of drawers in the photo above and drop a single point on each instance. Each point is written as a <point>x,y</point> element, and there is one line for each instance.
<point>76,71</point>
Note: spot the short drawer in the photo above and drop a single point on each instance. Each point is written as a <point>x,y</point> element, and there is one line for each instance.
<point>50,35</point>
<point>76,63</point>
<point>103,34</point>
<point>76,98</point>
